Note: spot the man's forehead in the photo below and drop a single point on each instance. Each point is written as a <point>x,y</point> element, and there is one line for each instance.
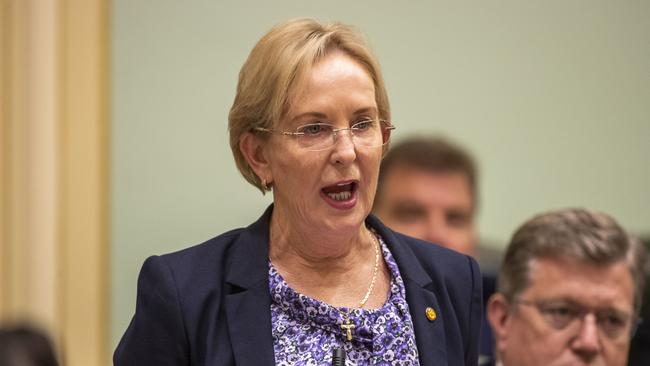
<point>439,191</point>
<point>595,285</point>
<point>402,173</point>
<point>430,170</point>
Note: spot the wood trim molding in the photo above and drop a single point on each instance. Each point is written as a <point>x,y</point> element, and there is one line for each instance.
<point>4,157</point>
<point>29,262</point>
<point>84,181</point>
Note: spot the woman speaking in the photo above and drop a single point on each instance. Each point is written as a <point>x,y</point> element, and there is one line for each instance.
<point>316,280</point>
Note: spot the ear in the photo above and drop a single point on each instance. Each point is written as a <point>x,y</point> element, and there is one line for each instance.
<point>498,314</point>
<point>252,147</point>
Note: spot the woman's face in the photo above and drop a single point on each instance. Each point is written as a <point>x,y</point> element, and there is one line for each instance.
<point>331,189</point>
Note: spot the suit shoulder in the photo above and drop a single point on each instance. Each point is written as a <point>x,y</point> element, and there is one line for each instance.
<point>441,263</point>
<point>191,266</point>
<point>427,250</point>
<point>205,251</point>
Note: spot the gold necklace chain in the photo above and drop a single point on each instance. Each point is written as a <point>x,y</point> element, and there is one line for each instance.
<point>347,325</point>
<point>374,272</point>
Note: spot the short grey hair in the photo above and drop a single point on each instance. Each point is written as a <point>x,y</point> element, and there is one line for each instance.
<point>430,154</point>
<point>576,234</point>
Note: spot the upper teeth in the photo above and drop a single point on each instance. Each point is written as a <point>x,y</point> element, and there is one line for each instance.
<point>341,196</point>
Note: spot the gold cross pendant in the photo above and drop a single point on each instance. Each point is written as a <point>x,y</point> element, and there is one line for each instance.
<point>348,327</point>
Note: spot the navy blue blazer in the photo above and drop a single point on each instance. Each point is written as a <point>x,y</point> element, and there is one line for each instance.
<point>210,304</point>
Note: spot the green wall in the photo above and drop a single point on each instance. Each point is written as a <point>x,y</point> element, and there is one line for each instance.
<point>552,96</point>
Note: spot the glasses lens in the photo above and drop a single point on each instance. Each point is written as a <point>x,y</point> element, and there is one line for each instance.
<point>559,315</point>
<point>367,133</point>
<point>371,133</point>
<point>614,324</point>
<point>315,136</point>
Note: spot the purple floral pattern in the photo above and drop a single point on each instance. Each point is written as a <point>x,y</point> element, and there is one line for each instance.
<point>305,330</point>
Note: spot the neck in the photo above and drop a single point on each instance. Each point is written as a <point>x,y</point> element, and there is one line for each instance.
<point>316,247</point>
<point>335,268</point>
<point>314,250</point>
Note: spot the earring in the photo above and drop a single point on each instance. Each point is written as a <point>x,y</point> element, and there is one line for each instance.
<point>265,185</point>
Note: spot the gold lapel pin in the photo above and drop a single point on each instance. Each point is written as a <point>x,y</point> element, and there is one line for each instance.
<point>431,314</point>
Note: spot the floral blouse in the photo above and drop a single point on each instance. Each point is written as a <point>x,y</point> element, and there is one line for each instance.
<point>306,331</point>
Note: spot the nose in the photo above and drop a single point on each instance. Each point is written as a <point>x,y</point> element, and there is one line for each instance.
<point>344,149</point>
<point>435,231</point>
<point>587,343</point>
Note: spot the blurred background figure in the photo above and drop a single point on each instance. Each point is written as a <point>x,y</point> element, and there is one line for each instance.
<point>24,345</point>
<point>640,346</point>
<point>569,291</point>
<point>428,189</point>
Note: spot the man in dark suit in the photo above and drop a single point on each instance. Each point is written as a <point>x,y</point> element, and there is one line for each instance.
<point>428,189</point>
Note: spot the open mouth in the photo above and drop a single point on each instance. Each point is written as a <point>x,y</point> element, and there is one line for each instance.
<point>341,191</point>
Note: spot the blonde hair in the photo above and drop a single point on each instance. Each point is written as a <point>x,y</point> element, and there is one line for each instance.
<point>276,66</point>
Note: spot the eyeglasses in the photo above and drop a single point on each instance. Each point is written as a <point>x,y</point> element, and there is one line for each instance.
<point>562,315</point>
<point>322,136</point>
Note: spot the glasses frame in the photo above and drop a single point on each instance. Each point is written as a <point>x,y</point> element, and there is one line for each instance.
<point>635,320</point>
<point>385,125</point>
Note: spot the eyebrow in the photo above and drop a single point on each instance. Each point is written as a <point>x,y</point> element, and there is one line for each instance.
<point>308,114</point>
<point>402,205</point>
<point>365,110</point>
<point>572,302</point>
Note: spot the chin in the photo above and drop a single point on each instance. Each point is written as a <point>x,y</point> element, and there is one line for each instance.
<point>351,219</point>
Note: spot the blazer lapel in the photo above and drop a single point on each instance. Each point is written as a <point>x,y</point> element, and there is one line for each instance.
<point>429,334</point>
<point>248,303</point>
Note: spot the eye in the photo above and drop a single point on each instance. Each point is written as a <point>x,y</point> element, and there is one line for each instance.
<point>314,129</point>
<point>363,125</point>
<point>406,212</point>
<point>612,322</point>
<point>458,219</point>
<point>560,315</point>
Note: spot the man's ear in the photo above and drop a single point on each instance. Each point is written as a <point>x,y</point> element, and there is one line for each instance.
<point>252,147</point>
<point>498,314</point>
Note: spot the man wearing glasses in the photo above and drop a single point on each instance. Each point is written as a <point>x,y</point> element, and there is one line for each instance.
<point>569,292</point>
